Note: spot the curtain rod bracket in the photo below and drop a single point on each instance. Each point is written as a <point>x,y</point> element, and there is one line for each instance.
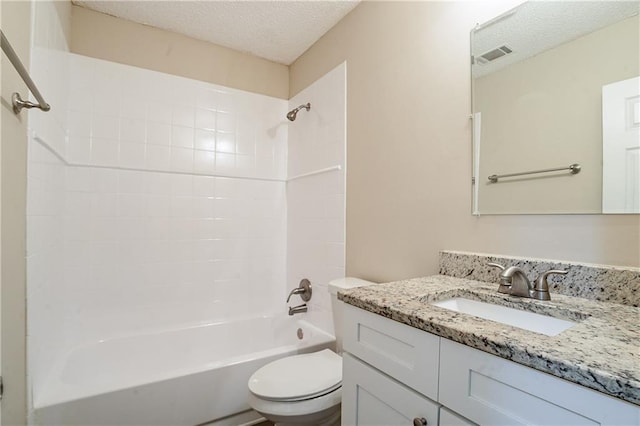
<point>16,100</point>
<point>18,103</point>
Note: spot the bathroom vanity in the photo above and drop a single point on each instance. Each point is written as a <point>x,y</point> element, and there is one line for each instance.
<point>408,361</point>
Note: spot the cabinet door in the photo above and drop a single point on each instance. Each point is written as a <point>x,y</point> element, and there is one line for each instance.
<point>371,398</point>
<point>447,418</point>
<point>405,353</point>
<point>493,391</point>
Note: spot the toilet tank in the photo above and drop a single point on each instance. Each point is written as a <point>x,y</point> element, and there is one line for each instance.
<point>336,305</point>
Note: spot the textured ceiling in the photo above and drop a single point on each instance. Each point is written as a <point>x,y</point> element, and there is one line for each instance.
<point>536,26</point>
<point>276,30</point>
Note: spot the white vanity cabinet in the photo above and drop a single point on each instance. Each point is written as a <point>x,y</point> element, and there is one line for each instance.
<point>394,374</point>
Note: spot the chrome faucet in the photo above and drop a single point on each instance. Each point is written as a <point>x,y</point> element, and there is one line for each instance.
<point>298,309</point>
<point>514,281</point>
<point>517,280</point>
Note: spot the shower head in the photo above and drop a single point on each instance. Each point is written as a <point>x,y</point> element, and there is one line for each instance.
<point>292,114</point>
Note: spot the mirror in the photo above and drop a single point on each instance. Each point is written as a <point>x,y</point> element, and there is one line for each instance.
<point>556,109</point>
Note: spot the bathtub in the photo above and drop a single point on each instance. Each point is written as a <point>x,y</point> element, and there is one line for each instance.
<point>184,376</point>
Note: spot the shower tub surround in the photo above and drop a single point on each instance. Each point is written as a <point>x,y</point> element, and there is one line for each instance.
<point>157,218</point>
<point>149,236</point>
<point>600,352</point>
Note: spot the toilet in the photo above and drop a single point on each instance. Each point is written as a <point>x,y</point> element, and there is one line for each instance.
<point>304,389</point>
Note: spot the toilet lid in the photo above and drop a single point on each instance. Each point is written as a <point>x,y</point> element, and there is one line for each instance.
<point>298,377</point>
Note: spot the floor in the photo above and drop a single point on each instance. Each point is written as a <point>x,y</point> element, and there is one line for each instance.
<point>265,423</point>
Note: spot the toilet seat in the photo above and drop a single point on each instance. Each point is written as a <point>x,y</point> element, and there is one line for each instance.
<point>298,377</point>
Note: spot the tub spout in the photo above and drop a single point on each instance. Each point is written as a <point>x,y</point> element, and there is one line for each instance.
<point>298,309</point>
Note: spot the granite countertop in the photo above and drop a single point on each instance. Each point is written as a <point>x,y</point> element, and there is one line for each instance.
<point>601,352</point>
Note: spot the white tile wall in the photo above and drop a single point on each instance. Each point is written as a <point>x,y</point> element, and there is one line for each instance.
<point>316,204</point>
<point>197,247</point>
<point>46,194</point>
<point>45,261</point>
<point>121,116</point>
<point>171,235</point>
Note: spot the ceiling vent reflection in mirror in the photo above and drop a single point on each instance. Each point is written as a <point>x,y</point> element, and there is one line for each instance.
<point>493,54</point>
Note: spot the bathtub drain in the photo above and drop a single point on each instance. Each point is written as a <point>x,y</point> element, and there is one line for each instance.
<point>300,334</point>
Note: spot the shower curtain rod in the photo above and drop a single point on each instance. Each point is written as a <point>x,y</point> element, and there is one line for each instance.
<point>16,100</point>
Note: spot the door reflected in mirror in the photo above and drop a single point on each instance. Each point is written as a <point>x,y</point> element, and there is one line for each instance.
<point>556,84</point>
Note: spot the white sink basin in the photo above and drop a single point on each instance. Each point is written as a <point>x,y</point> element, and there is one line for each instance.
<point>522,319</point>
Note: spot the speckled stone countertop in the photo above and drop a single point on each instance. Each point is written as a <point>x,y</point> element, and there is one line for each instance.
<point>601,352</point>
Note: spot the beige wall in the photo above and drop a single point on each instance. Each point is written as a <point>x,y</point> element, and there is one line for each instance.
<point>409,148</point>
<point>106,37</point>
<point>16,25</point>
<point>545,112</point>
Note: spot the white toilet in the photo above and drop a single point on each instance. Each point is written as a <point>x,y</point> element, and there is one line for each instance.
<point>304,389</point>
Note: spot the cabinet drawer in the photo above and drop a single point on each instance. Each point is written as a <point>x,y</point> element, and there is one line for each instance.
<point>490,390</point>
<point>369,398</point>
<point>405,353</point>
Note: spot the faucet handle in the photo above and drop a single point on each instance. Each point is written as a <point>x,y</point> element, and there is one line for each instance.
<point>303,289</point>
<point>496,265</point>
<point>541,288</point>
<point>505,283</point>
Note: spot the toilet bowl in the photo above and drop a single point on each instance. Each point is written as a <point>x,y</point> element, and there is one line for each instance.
<point>300,389</point>
<point>304,389</point>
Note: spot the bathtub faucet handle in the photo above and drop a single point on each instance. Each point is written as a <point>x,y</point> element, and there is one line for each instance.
<point>304,290</point>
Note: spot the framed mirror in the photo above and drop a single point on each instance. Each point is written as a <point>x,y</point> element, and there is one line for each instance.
<point>556,109</point>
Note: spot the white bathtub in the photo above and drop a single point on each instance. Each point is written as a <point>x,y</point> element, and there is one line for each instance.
<point>185,376</point>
